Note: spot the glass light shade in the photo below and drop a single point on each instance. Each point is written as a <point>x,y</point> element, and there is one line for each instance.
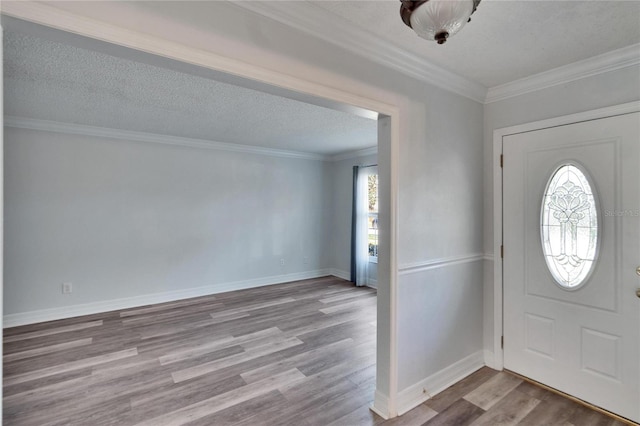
<point>440,19</point>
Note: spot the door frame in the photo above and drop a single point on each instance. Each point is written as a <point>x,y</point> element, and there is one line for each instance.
<point>498,134</point>
<point>334,91</point>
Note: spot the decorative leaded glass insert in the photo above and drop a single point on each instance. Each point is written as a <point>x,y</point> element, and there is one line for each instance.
<point>569,226</point>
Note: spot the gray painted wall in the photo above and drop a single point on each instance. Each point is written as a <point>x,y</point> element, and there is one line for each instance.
<point>123,219</point>
<point>612,88</point>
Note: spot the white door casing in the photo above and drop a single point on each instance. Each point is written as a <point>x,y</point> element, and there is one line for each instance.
<point>583,341</point>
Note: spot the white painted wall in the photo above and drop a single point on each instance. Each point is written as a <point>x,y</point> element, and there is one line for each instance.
<point>439,299</point>
<point>612,88</point>
<point>124,219</point>
<point>439,328</point>
<point>342,193</point>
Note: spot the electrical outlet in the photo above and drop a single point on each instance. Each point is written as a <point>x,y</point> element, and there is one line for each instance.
<point>281,262</point>
<point>67,288</point>
<point>305,260</point>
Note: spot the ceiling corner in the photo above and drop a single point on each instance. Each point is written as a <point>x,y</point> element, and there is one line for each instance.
<point>322,24</point>
<point>610,61</point>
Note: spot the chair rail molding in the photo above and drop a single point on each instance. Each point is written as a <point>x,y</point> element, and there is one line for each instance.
<point>415,267</point>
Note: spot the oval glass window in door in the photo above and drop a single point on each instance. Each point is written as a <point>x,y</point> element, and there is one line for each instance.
<point>569,226</point>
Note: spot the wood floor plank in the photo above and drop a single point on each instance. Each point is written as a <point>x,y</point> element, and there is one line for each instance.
<point>341,297</point>
<point>232,415</point>
<point>163,399</point>
<point>297,409</point>
<point>295,361</point>
<point>362,331</point>
<point>421,414</point>
<point>349,305</point>
<point>226,400</point>
<point>76,365</point>
<point>168,306</point>
<point>493,390</point>
<point>172,315</point>
<point>238,368</point>
<point>534,391</point>
<point>360,351</point>
<point>69,357</point>
<point>317,384</point>
<point>39,393</point>
<point>361,416</point>
<point>325,322</point>
<point>219,343</point>
<point>71,404</point>
<point>363,376</point>
<point>48,332</point>
<point>198,350</point>
<point>45,382</point>
<point>462,412</point>
<point>514,407</point>
<point>75,388</point>
<point>553,409</point>
<point>334,409</point>
<point>583,416</point>
<point>221,317</point>
<point>169,398</point>
<point>444,399</point>
<point>252,307</point>
<point>99,414</point>
<point>46,349</point>
<point>163,330</point>
<point>210,367</point>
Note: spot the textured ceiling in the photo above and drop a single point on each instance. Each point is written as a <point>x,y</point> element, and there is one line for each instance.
<point>52,81</point>
<point>506,40</point>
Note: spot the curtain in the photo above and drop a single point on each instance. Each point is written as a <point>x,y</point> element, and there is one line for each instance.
<point>354,219</point>
<point>360,225</point>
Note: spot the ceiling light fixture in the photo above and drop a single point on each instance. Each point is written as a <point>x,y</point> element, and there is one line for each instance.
<point>437,19</point>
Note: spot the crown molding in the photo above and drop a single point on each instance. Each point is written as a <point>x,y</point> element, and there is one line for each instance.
<point>610,61</point>
<point>331,28</point>
<point>354,154</point>
<point>128,135</point>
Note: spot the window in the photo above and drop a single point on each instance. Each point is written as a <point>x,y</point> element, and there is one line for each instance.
<point>373,217</point>
<point>569,226</point>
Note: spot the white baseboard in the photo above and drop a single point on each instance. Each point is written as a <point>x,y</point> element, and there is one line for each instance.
<point>419,392</point>
<point>347,276</point>
<point>380,405</point>
<point>23,318</point>
<point>340,274</point>
<point>489,359</point>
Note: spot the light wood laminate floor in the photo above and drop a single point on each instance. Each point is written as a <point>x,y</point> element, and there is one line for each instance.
<point>299,354</point>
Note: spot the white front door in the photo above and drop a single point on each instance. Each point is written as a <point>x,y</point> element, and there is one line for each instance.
<point>571,235</point>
